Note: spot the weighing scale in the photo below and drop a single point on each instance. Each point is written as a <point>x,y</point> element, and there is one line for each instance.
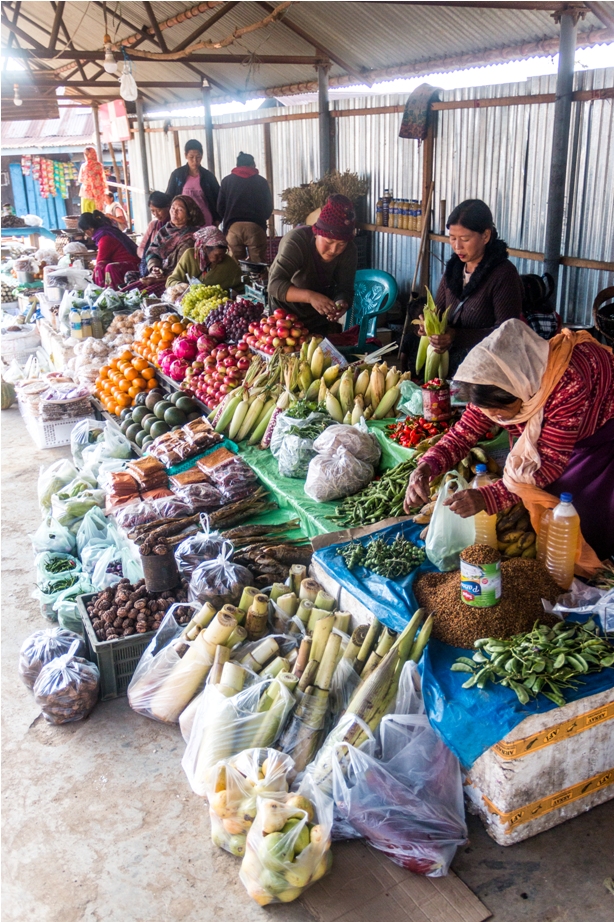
<point>255,278</point>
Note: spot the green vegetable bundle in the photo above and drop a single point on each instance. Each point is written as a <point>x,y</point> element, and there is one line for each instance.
<point>390,559</point>
<point>545,660</point>
<point>380,500</point>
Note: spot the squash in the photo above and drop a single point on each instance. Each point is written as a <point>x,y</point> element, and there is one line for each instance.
<point>7,395</point>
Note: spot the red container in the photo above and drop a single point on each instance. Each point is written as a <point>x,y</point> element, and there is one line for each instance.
<point>436,404</point>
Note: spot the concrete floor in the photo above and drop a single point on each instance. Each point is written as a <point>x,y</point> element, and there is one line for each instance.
<point>99,824</point>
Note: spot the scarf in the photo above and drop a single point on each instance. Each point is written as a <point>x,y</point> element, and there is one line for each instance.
<point>516,359</point>
<point>128,244</point>
<point>245,172</point>
<point>208,237</point>
<point>170,243</point>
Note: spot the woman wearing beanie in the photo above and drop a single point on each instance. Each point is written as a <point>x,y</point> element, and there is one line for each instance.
<point>196,182</point>
<point>313,273</point>
<point>245,205</point>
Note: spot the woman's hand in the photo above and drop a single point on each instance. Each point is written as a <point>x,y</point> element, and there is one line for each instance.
<point>324,305</point>
<point>442,342</point>
<point>418,487</point>
<point>419,328</point>
<point>155,271</point>
<point>466,503</point>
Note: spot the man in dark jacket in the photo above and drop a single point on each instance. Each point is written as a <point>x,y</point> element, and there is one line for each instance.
<point>197,182</point>
<point>245,205</point>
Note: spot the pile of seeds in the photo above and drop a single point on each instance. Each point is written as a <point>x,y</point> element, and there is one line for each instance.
<point>480,554</point>
<point>524,584</point>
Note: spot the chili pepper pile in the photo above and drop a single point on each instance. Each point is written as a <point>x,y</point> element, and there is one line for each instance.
<point>546,660</point>
<point>380,500</point>
<point>389,559</point>
<point>415,429</point>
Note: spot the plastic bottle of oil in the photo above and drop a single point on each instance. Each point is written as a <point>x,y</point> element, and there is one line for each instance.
<point>562,541</point>
<point>542,538</point>
<point>485,524</point>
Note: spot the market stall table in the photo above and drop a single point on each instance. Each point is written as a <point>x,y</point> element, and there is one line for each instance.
<point>34,233</point>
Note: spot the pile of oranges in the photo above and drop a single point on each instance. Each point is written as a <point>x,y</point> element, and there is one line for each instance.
<point>158,337</point>
<point>120,382</point>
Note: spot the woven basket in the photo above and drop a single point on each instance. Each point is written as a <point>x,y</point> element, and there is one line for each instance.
<point>71,221</point>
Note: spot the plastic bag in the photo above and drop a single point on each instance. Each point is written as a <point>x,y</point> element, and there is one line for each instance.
<point>224,726</point>
<point>170,672</point>
<point>65,606</point>
<point>112,445</point>
<point>199,496</point>
<point>409,805</point>
<point>54,566</point>
<point>116,563</point>
<point>92,530</point>
<point>358,442</point>
<point>70,504</point>
<point>87,432</point>
<point>205,545</point>
<point>448,533</point>
<point>51,536</point>
<point>219,581</point>
<point>235,786</point>
<point>52,479</point>
<point>67,688</point>
<point>411,403</point>
<point>331,476</point>
<point>284,423</point>
<point>288,845</point>
<point>292,450</point>
<point>40,648</point>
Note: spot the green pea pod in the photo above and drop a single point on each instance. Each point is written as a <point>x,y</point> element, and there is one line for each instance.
<point>559,661</point>
<point>521,692</point>
<point>470,682</point>
<point>460,667</point>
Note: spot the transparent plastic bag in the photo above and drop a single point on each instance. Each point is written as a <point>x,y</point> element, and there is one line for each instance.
<point>52,566</point>
<point>114,564</point>
<point>224,726</point>
<point>409,805</point>
<point>219,581</point>
<point>52,479</point>
<point>51,536</point>
<point>92,530</point>
<point>86,433</point>
<point>205,545</point>
<point>448,533</point>
<point>335,475</point>
<point>170,672</point>
<point>288,845</point>
<point>40,648</point>
<point>199,496</point>
<point>292,450</point>
<point>235,786</point>
<point>284,423</point>
<point>411,399</point>
<point>66,608</point>
<point>73,501</point>
<point>67,687</point>
<point>358,442</point>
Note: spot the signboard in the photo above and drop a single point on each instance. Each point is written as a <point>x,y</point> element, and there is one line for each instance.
<point>114,122</point>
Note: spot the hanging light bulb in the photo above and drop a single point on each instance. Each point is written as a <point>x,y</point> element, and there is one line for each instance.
<point>128,89</point>
<point>109,63</point>
<point>17,100</point>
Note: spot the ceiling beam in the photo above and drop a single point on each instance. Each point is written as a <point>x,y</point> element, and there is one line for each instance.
<point>355,72</point>
<point>43,81</point>
<point>226,8</point>
<point>496,4</point>
<point>196,58</point>
<point>57,20</point>
<point>154,25</point>
<point>17,32</point>
<point>603,13</point>
<point>221,86</point>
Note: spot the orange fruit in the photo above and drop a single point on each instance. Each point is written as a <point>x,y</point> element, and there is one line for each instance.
<point>177,328</point>
<point>131,373</point>
<point>155,337</point>
<point>151,384</point>
<point>112,407</point>
<point>147,373</point>
<point>126,356</point>
<point>141,383</point>
<point>124,401</point>
<point>168,336</point>
<point>133,391</point>
<point>139,364</point>
<point>113,363</point>
<point>146,332</point>
<point>123,384</point>
<point>104,371</point>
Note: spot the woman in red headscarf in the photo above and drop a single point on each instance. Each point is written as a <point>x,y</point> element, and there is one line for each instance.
<point>313,273</point>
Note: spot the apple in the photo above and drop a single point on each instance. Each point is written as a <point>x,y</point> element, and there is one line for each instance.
<point>243,364</point>
<point>279,314</point>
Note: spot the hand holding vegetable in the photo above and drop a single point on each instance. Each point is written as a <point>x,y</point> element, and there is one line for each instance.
<point>442,342</point>
<point>466,503</point>
<point>418,487</point>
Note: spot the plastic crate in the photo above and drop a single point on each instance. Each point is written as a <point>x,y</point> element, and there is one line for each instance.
<point>51,434</point>
<point>116,659</point>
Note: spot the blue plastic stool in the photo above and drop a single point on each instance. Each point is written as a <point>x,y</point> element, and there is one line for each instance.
<point>374,293</point>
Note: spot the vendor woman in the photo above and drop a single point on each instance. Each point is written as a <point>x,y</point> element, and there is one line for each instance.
<point>209,261</point>
<point>556,398</point>
<point>480,285</point>
<point>313,273</point>
<point>116,252</point>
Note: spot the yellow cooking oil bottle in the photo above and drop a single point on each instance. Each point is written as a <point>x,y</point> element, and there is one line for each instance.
<point>562,541</point>
<point>485,524</point>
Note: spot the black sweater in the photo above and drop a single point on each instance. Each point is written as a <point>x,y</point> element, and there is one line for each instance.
<point>208,183</point>
<point>244,199</point>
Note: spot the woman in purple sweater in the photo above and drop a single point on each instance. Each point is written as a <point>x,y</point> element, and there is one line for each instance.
<point>479,285</point>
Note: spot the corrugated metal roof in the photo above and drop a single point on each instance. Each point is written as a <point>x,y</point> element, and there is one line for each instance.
<point>365,35</point>
<point>72,129</point>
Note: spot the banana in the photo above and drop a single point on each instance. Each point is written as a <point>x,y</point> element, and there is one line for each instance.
<point>527,540</point>
<point>480,454</point>
<point>524,522</point>
<point>530,553</point>
<point>510,537</point>
<point>513,550</point>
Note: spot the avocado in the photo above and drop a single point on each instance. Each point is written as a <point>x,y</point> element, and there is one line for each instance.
<point>153,397</point>
<point>193,416</point>
<point>174,417</point>
<point>128,421</point>
<point>132,431</point>
<point>186,404</point>
<point>161,407</point>
<point>139,400</point>
<point>146,441</point>
<point>148,421</point>
<point>159,428</point>
<point>140,437</point>
<point>127,411</point>
<point>139,413</point>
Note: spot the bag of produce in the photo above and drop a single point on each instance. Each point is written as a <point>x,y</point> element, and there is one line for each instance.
<point>92,530</point>
<point>116,563</point>
<point>49,588</point>
<point>448,533</point>
<point>219,581</point>
<point>288,845</point>
<point>113,444</point>
<point>200,496</point>
<point>66,608</point>
<point>52,479</point>
<point>235,786</point>
<point>54,565</point>
<point>205,545</point>
<point>336,474</point>
<point>355,439</point>
<point>293,443</point>
<point>72,502</point>
<point>51,536</point>
<point>409,804</point>
<point>86,433</point>
<point>171,671</point>
<point>43,646</point>
<point>226,723</point>
<point>67,687</point>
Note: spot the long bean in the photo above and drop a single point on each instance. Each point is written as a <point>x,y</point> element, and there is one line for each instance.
<point>382,499</point>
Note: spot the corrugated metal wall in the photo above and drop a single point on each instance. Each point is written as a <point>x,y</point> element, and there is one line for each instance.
<point>501,155</point>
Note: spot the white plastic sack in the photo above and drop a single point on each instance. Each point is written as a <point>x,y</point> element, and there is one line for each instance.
<point>336,475</point>
<point>449,533</point>
<point>51,536</point>
<point>358,442</point>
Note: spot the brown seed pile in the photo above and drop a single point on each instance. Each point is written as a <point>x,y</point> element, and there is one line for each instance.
<point>123,610</point>
<point>524,584</point>
<point>479,554</point>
